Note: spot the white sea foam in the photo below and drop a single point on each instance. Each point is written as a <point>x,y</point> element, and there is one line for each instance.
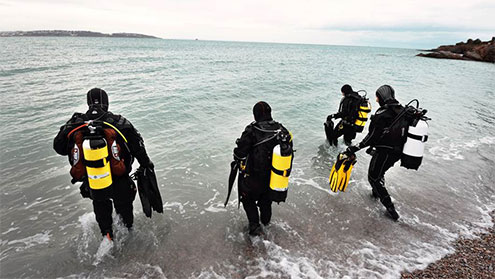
<point>104,251</point>
<point>88,225</point>
<point>150,271</point>
<point>372,261</point>
<point>473,229</point>
<point>281,262</point>
<point>209,274</point>
<point>216,208</point>
<point>212,199</point>
<point>171,205</point>
<point>311,182</point>
<point>10,230</point>
<point>31,241</point>
<point>448,150</point>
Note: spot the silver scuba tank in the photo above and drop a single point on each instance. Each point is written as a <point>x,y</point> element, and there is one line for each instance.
<point>417,135</point>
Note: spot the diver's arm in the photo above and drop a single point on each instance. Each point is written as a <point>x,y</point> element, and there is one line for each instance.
<point>135,142</point>
<point>343,109</point>
<point>60,142</point>
<point>244,144</point>
<point>377,126</point>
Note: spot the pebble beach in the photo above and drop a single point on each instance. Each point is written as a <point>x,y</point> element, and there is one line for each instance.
<point>473,258</point>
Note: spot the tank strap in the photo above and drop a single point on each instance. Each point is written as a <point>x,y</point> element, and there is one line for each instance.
<point>94,164</point>
<point>416,137</point>
<point>284,173</point>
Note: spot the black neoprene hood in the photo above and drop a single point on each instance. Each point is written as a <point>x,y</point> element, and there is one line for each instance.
<point>98,97</point>
<point>262,111</point>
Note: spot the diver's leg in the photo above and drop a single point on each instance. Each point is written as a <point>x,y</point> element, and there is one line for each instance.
<point>251,209</point>
<point>103,212</point>
<point>338,132</point>
<point>124,194</point>
<point>265,205</point>
<point>349,134</point>
<point>379,164</point>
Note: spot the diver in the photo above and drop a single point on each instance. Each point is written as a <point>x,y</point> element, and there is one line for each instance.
<point>254,153</point>
<point>385,145</point>
<point>348,112</point>
<point>101,147</point>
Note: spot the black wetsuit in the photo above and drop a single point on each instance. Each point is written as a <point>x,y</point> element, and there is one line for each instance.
<point>348,112</point>
<point>254,183</point>
<point>387,149</point>
<point>123,190</point>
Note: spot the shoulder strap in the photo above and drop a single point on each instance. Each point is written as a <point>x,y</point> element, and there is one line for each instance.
<point>274,132</point>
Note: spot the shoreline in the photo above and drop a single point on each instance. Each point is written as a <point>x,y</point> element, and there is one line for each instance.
<point>473,258</point>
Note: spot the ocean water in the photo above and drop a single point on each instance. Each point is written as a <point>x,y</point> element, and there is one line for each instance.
<point>190,100</point>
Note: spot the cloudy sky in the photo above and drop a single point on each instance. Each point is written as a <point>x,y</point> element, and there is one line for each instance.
<point>408,23</point>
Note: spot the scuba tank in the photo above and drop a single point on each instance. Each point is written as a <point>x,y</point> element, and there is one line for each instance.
<point>363,110</point>
<point>96,160</point>
<point>417,135</point>
<point>411,130</point>
<point>281,167</point>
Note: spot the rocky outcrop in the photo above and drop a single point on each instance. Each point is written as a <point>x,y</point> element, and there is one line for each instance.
<point>471,50</point>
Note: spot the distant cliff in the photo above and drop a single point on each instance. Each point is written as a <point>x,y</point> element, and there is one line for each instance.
<point>65,33</point>
<point>471,50</point>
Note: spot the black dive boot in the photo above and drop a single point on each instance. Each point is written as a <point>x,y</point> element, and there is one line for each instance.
<point>392,213</point>
<point>374,194</point>
<point>255,229</point>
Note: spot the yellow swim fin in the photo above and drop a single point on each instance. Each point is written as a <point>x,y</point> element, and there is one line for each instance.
<point>341,172</point>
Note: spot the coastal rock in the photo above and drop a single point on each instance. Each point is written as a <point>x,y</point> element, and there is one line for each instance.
<point>443,54</point>
<point>475,50</point>
<point>473,56</point>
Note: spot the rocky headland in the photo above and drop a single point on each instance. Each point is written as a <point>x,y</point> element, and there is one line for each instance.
<point>67,33</point>
<point>475,50</point>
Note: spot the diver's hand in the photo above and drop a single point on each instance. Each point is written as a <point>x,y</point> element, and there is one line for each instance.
<point>352,149</point>
<point>149,164</point>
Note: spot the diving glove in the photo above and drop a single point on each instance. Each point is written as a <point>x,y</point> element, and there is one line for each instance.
<point>352,149</point>
<point>148,164</point>
<point>84,190</point>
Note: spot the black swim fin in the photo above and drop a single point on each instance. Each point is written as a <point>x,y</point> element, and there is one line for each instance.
<point>234,168</point>
<point>329,131</point>
<point>149,193</point>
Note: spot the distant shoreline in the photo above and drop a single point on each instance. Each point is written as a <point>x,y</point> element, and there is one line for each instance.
<point>70,33</point>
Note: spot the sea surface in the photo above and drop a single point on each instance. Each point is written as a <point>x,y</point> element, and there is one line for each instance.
<point>190,100</point>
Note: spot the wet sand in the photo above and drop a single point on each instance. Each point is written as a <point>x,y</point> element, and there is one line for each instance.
<point>473,258</point>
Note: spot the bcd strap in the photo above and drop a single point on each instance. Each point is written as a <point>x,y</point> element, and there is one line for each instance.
<point>284,173</point>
